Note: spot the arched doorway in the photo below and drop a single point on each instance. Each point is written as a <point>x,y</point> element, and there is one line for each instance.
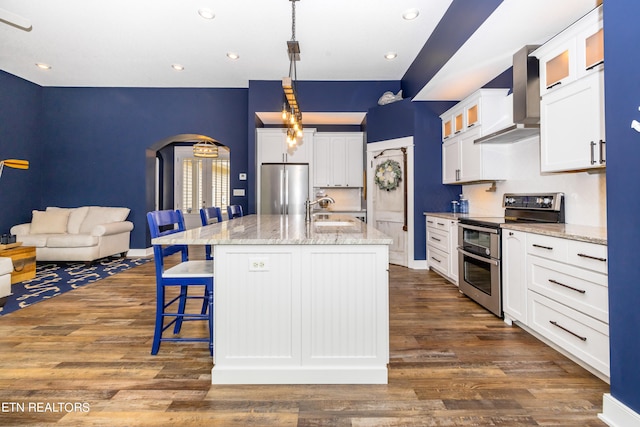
<point>160,171</point>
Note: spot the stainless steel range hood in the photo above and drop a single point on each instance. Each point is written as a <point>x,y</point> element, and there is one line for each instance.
<point>526,100</point>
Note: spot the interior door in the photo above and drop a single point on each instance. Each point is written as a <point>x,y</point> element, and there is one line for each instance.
<point>389,209</point>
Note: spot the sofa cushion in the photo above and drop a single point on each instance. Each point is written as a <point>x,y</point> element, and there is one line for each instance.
<point>76,216</point>
<point>98,215</point>
<point>37,240</point>
<point>6,265</point>
<point>72,241</point>
<point>49,222</point>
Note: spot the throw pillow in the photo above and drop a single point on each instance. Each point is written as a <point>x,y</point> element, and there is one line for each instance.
<point>76,216</point>
<point>49,222</point>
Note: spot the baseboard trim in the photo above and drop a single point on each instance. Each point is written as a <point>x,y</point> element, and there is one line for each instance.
<point>418,264</point>
<point>617,414</point>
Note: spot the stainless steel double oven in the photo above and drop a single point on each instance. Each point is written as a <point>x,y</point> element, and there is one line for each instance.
<point>479,244</point>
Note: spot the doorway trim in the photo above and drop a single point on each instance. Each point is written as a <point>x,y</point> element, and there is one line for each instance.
<point>397,143</point>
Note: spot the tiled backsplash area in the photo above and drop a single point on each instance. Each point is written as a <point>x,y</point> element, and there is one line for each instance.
<point>585,193</point>
<point>347,199</point>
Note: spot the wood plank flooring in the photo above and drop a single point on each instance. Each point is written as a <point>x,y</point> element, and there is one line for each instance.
<point>83,359</point>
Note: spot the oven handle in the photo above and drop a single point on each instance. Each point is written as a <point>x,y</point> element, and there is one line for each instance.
<point>479,258</point>
<point>483,229</point>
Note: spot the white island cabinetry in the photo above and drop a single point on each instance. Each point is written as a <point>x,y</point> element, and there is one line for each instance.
<point>296,302</point>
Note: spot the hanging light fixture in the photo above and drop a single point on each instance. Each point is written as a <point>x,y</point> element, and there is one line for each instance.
<point>291,114</point>
<point>206,148</point>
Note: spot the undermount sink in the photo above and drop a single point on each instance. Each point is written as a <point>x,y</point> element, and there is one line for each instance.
<point>334,223</point>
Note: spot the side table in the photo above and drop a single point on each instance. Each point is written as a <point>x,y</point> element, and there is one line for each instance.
<point>24,262</point>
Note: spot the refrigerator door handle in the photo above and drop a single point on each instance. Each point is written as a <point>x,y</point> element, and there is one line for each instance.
<point>281,190</point>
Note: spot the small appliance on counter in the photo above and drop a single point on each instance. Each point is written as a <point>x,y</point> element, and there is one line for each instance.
<point>479,244</point>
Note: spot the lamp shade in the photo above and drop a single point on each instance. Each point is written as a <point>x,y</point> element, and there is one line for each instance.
<point>206,148</point>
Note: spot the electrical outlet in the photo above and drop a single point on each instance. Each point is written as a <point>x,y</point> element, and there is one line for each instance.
<point>258,264</point>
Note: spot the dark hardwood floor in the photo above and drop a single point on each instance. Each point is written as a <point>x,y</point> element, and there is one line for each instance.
<point>83,358</point>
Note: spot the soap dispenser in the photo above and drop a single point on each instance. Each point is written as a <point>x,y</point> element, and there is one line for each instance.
<point>464,205</point>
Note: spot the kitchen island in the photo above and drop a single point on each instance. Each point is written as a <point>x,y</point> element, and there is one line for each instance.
<point>297,302</point>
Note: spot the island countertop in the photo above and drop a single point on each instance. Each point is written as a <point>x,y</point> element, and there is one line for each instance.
<point>333,229</point>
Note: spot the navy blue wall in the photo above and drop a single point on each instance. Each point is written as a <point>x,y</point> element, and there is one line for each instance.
<point>21,137</point>
<point>422,121</point>
<point>622,94</point>
<point>96,140</point>
<point>323,96</point>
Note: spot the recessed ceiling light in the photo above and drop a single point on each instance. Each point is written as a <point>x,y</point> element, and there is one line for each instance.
<point>43,66</point>
<point>232,55</point>
<point>410,14</point>
<point>390,55</point>
<point>206,13</point>
<point>177,67</point>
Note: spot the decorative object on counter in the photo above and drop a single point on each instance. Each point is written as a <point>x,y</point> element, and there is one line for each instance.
<point>388,175</point>
<point>464,205</point>
<point>291,114</point>
<point>388,97</point>
<point>455,206</point>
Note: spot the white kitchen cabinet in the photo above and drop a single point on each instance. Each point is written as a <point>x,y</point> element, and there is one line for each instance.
<point>486,109</point>
<point>572,54</point>
<point>514,278</point>
<point>572,126</point>
<point>442,254</point>
<point>338,159</point>
<point>272,147</point>
<point>566,300</point>
<point>464,161</point>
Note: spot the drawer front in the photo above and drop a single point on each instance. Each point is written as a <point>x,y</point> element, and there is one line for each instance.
<point>580,335</point>
<point>438,260</point>
<point>547,247</point>
<point>438,223</point>
<point>438,239</point>
<point>588,255</point>
<point>582,290</point>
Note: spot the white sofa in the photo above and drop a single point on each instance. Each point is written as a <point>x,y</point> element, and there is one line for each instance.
<point>6,267</point>
<point>85,233</point>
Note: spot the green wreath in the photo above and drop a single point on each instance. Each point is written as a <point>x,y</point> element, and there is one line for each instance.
<point>388,175</point>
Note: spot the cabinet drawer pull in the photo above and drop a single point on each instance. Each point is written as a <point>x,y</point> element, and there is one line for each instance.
<point>542,247</point>
<point>554,323</point>
<point>457,132</point>
<point>436,239</point>
<point>441,223</point>
<point>429,222</point>
<point>18,266</point>
<point>593,156</point>
<point>554,85</point>
<point>435,259</point>
<point>592,257</point>
<point>555,282</point>
<point>594,65</point>
<point>472,124</point>
<point>602,159</point>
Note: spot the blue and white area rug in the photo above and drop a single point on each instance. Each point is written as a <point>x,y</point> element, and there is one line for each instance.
<point>53,279</point>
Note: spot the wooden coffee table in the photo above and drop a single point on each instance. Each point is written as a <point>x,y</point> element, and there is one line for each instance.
<point>24,262</point>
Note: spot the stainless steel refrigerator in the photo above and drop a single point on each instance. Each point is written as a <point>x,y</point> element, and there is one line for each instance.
<point>284,187</point>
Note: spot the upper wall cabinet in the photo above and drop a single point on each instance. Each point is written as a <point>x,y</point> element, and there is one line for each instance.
<point>572,127</point>
<point>481,113</point>
<point>272,147</point>
<point>338,159</point>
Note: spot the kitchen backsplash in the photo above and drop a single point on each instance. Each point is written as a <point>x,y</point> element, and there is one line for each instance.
<point>347,199</point>
<point>585,193</point>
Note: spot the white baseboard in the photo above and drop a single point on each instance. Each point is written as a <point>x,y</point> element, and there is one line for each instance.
<point>617,414</point>
<point>418,264</point>
<point>140,253</point>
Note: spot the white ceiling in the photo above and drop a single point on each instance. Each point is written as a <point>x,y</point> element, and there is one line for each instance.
<point>133,43</point>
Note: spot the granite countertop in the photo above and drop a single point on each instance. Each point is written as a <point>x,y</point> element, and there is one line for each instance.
<point>583,233</point>
<point>280,230</point>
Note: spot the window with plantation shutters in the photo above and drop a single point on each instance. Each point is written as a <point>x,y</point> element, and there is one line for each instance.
<point>200,182</point>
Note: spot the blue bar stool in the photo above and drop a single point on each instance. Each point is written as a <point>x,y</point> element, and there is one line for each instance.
<point>234,211</point>
<point>208,216</point>
<point>187,274</point>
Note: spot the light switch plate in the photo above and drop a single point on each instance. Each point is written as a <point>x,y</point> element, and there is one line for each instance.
<point>238,191</point>
<point>242,177</point>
